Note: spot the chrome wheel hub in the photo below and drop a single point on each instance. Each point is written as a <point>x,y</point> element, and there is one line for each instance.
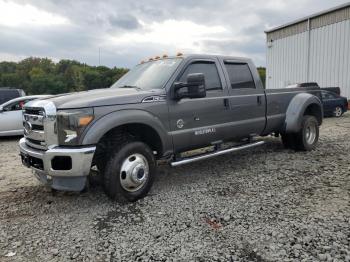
<point>134,172</point>
<point>310,134</point>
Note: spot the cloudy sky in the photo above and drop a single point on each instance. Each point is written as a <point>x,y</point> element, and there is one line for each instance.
<point>129,31</point>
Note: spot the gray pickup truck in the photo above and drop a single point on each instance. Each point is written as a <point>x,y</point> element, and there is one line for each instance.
<point>158,112</point>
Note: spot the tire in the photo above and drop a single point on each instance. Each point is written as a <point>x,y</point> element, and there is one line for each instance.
<point>130,172</point>
<point>306,139</point>
<point>107,147</point>
<point>101,166</point>
<point>338,111</point>
<point>288,140</point>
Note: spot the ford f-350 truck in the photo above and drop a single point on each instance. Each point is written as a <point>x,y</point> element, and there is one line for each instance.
<point>156,112</point>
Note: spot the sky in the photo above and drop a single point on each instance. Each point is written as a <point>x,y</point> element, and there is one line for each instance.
<point>127,32</point>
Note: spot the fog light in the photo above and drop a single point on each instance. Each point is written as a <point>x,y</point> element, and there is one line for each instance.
<point>61,163</point>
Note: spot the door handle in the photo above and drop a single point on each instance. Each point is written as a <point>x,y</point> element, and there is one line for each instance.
<point>226,103</point>
<point>258,99</point>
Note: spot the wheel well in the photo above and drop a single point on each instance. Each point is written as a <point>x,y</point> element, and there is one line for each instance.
<point>316,111</point>
<point>140,132</point>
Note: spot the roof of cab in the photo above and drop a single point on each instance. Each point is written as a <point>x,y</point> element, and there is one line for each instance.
<point>200,56</point>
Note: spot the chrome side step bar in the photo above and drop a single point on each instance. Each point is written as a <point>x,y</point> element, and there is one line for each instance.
<point>215,153</point>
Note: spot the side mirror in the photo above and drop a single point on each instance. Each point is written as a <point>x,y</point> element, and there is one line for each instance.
<point>1,109</point>
<point>193,88</point>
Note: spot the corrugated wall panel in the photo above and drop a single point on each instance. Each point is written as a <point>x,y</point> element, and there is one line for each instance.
<point>324,19</point>
<point>331,18</point>
<point>346,64</point>
<point>329,63</point>
<point>288,31</point>
<point>287,57</point>
<point>330,56</point>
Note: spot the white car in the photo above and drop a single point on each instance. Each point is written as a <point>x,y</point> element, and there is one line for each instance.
<point>11,119</point>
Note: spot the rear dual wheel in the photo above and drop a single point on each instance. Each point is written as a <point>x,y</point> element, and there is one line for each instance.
<point>307,137</point>
<point>288,140</point>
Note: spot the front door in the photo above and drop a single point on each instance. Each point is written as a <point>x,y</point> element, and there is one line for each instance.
<point>11,119</point>
<point>200,121</point>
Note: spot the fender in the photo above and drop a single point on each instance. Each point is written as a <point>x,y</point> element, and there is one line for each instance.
<point>127,116</point>
<point>296,110</point>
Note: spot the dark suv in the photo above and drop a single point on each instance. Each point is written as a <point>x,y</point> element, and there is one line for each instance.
<point>6,94</point>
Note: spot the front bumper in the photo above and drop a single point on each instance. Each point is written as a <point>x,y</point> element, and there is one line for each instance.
<point>61,167</point>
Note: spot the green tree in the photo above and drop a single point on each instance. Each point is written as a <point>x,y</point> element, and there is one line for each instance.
<point>42,76</point>
<point>9,80</point>
<point>262,73</point>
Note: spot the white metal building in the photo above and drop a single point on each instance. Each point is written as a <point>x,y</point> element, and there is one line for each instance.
<point>311,49</point>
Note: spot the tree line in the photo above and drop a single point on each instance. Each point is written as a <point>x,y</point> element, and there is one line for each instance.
<point>43,76</point>
<point>262,73</point>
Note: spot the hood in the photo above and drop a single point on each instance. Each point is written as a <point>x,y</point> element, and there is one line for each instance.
<point>101,97</point>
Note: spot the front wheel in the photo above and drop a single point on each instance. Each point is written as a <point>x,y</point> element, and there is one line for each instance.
<point>130,172</point>
<point>338,111</point>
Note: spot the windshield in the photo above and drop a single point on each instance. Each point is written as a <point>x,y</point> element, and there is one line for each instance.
<point>150,75</point>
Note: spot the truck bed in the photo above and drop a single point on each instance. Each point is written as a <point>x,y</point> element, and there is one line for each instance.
<point>277,102</point>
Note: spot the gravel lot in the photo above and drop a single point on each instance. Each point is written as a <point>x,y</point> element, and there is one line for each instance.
<point>263,204</point>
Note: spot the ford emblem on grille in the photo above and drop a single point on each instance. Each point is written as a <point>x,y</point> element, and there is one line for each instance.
<point>27,127</point>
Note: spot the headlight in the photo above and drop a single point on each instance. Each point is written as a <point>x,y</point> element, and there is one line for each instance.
<point>72,123</point>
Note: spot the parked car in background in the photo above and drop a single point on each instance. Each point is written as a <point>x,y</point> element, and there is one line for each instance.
<point>332,89</point>
<point>334,104</point>
<point>11,120</point>
<point>7,93</point>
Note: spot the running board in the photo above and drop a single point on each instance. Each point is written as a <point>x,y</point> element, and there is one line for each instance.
<point>215,153</point>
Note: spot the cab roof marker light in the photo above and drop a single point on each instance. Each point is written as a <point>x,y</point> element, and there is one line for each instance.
<point>151,59</point>
<point>165,56</point>
<point>157,57</point>
<point>179,54</point>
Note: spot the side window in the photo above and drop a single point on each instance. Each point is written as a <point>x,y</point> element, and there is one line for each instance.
<point>211,75</point>
<point>326,95</point>
<point>240,75</point>
<point>18,105</point>
<point>332,96</point>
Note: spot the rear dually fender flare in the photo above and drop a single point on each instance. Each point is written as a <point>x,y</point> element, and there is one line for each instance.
<point>302,104</point>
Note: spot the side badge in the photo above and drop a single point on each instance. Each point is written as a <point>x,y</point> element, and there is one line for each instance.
<point>180,123</point>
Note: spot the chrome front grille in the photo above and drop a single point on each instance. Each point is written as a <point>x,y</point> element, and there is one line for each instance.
<point>34,111</point>
<point>34,127</point>
<point>39,121</point>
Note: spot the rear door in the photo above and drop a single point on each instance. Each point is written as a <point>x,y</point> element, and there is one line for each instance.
<point>200,121</point>
<point>246,99</point>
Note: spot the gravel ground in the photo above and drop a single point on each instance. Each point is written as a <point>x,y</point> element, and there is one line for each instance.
<point>263,204</point>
